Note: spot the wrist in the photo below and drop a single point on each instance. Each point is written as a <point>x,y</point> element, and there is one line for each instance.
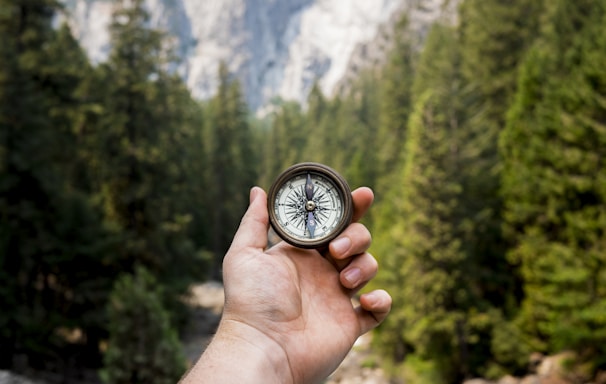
<point>240,353</point>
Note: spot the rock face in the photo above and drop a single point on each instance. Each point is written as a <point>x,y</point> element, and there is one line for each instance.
<point>276,48</point>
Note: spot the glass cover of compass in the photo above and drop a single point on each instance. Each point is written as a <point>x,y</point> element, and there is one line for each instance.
<point>309,205</point>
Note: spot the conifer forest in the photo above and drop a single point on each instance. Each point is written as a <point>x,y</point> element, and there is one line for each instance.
<point>485,145</point>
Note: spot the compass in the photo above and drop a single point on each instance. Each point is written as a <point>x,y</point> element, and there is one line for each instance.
<point>309,205</point>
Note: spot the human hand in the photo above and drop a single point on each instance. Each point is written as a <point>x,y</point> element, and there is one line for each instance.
<point>288,316</point>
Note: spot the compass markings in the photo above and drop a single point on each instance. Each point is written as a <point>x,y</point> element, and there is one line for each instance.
<point>326,212</point>
<point>295,210</point>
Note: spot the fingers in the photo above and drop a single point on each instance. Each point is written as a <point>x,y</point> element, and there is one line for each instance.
<point>374,308</point>
<point>355,239</point>
<point>348,254</point>
<point>359,272</point>
<point>253,227</point>
<point>362,199</point>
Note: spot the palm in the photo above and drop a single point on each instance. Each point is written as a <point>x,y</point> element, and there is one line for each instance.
<point>297,300</point>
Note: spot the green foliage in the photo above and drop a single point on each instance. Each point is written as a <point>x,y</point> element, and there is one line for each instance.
<point>431,222</point>
<point>492,126</point>
<point>340,132</point>
<point>143,347</point>
<point>356,146</point>
<point>142,179</point>
<point>495,36</point>
<point>395,104</point>
<point>285,141</point>
<point>93,179</point>
<point>53,247</point>
<point>231,170</point>
<point>510,347</point>
<point>554,180</point>
<point>418,370</point>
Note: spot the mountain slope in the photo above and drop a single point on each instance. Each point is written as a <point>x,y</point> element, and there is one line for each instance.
<point>276,48</point>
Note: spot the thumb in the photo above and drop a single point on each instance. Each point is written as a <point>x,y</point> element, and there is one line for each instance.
<point>253,227</point>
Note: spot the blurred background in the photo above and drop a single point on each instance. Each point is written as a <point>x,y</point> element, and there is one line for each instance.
<point>132,130</point>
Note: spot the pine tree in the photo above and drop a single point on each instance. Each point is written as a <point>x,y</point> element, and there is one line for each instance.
<point>320,129</point>
<point>359,115</point>
<point>495,36</point>
<point>184,194</point>
<point>51,235</point>
<point>129,133</point>
<point>395,104</point>
<point>231,164</point>
<point>423,262</point>
<point>447,287</point>
<point>285,143</point>
<point>142,172</point>
<point>142,347</point>
<point>553,181</point>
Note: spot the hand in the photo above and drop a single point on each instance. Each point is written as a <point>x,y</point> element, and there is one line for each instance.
<point>288,316</point>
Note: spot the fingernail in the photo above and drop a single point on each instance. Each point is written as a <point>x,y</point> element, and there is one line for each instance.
<point>353,276</point>
<point>340,246</point>
<point>372,297</point>
<point>376,299</point>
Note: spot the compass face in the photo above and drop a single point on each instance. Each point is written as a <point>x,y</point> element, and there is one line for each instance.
<point>309,205</point>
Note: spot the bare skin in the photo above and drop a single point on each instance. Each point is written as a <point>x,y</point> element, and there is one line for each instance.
<point>288,315</point>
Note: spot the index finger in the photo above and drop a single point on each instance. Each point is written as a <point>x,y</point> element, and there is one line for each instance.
<point>362,200</point>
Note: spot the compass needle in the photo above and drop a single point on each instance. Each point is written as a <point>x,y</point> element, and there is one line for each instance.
<point>309,188</point>
<point>311,224</point>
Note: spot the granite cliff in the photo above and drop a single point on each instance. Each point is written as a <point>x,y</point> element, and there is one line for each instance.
<point>276,48</point>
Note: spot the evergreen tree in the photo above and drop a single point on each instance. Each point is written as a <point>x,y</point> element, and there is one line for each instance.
<point>423,262</point>
<point>340,132</point>
<point>143,347</point>
<point>129,133</point>
<point>232,164</point>
<point>356,131</point>
<point>285,143</point>
<point>51,238</point>
<point>395,104</point>
<point>359,115</point>
<point>186,195</point>
<point>320,129</point>
<point>444,284</point>
<point>495,36</point>
<point>428,255</point>
<point>142,174</point>
<point>554,180</point>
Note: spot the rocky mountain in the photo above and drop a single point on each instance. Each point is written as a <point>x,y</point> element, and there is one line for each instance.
<point>276,48</point>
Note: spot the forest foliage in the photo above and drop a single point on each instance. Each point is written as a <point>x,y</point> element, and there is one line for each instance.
<point>485,147</point>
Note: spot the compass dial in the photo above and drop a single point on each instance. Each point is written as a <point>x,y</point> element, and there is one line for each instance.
<point>309,205</point>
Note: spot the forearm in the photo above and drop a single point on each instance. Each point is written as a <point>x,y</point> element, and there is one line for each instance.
<point>239,354</point>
